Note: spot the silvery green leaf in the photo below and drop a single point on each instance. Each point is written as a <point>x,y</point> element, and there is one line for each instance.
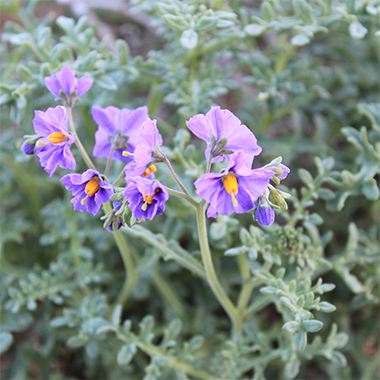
<point>77,341</point>
<point>312,325</point>
<point>206,23</point>
<point>300,39</point>
<point>252,254</point>
<point>267,11</point>
<point>66,24</point>
<point>357,30</point>
<point>268,290</point>
<point>326,194</point>
<point>116,315</point>
<point>300,340</point>
<point>236,251</point>
<point>291,326</point>
<point>196,342</point>
<point>292,368</point>
<point>126,353</point>
<point>255,29</point>
<point>176,22</point>
<point>106,82</point>
<point>189,39</point>
<point>326,307</point>
<point>370,189</point>
<point>339,359</point>
<point>6,340</point>
<point>305,177</point>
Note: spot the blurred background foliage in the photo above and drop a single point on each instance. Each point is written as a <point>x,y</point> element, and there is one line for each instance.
<point>304,76</point>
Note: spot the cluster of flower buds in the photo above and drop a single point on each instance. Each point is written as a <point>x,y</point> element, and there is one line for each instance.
<point>133,138</point>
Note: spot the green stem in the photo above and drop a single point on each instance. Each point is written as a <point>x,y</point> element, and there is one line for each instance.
<point>119,178</point>
<point>154,99</point>
<point>180,184</point>
<point>170,360</point>
<point>78,143</point>
<point>187,261</point>
<point>257,305</point>
<point>168,294</point>
<point>182,195</point>
<point>208,169</point>
<point>212,278</point>
<point>109,161</point>
<point>128,264</point>
<point>261,360</point>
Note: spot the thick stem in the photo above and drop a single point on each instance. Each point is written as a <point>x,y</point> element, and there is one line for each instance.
<point>78,143</point>
<point>212,278</point>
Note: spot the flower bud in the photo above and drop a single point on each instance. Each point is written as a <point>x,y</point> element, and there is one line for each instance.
<point>276,198</point>
<point>264,213</point>
<point>27,148</point>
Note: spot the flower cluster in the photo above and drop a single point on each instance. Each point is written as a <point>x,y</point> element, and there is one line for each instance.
<point>132,137</point>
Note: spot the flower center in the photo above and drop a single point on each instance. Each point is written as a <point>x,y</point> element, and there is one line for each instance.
<point>151,169</point>
<point>57,137</point>
<point>91,188</point>
<point>148,199</point>
<point>231,186</point>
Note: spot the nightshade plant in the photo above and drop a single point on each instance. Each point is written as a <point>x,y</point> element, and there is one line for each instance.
<point>239,209</point>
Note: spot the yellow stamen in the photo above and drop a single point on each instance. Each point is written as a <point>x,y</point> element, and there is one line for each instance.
<point>83,201</point>
<point>40,143</point>
<point>127,154</point>
<point>57,137</point>
<point>92,186</point>
<point>231,186</point>
<point>148,200</point>
<point>151,169</point>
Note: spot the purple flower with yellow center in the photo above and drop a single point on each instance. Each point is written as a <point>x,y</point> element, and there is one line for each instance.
<point>264,212</point>
<point>89,190</point>
<point>146,198</point>
<point>119,129</point>
<point>224,133</point>
<point>235,189</point>
<point>132,171</point>
<point>147,152</point>
<point>65,80</point>
<point>53,147</point>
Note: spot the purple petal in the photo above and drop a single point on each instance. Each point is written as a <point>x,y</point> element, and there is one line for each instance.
<point>53,85</point>
<point>201,127</point>
<point>66,78</point>
<point>108,119</point>
<point>83,85</point>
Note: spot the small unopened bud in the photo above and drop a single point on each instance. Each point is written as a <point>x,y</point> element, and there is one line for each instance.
<point>276,198</point>
<point>116,197</point>
<point>28,149</point>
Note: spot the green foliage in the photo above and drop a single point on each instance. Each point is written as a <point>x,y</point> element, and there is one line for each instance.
<point>303,75</point>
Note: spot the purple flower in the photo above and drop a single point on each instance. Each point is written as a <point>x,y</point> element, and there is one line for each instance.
<point>146,198</point>
<point>53,147</point>
<point>223,131</point>
<point>264,212</point>
<point>132,171</point>
<point>90,191</point>
<point>28,148</point>
<point>65,80</point>
<point>149,140</point>
<point>118,127</point>
<point>235,189</point>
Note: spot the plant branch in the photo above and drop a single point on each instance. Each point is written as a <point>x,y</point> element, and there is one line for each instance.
<point>78,143</point>
<point>212,278</point>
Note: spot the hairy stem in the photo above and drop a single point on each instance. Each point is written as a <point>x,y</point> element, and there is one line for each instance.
<point>109,161</point>
<point>78,143</point>
<point>180,184</point>
<point>182,195</point>
<point>119,178</point>
<point>212,278</point>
